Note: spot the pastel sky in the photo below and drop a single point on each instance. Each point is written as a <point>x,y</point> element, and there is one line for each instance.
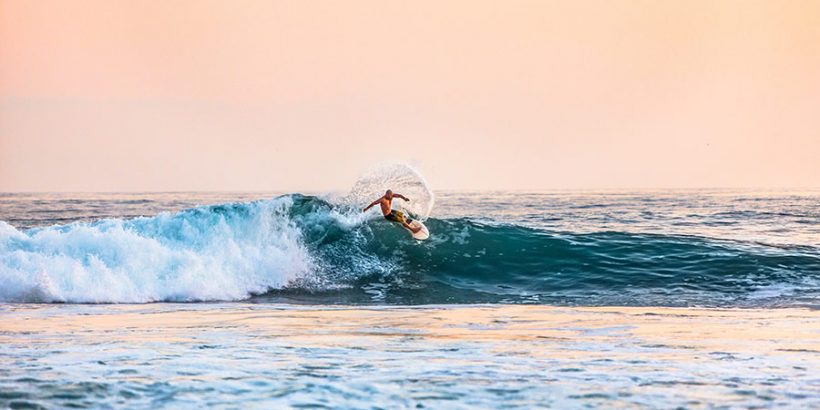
<point>111,95</point>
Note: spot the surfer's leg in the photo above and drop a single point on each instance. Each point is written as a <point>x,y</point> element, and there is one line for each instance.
<point>396,216</point>
<point>412,229</point>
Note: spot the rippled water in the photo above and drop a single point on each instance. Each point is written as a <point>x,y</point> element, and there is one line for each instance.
<point>238,355</point>
<point>289,300</point>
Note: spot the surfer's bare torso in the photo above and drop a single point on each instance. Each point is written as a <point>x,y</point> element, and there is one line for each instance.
<point>386,204</point>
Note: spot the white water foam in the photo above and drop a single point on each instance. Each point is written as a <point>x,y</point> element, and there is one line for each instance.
<point>227,252</point>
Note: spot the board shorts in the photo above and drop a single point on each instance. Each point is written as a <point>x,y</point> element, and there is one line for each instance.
<point>397,216</point>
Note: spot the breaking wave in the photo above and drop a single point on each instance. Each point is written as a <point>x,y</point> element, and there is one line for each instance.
<point>298,248</point>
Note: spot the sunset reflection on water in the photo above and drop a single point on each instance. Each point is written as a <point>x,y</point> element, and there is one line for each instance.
<point>219,355</point>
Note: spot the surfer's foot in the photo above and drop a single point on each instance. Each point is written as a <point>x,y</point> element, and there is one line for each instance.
<point>414,229</point>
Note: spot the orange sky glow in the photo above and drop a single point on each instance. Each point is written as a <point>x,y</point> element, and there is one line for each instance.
<point>112,95</point>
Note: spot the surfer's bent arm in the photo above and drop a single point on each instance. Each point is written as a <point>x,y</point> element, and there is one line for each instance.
<point>402,197</point>
<point>371,205</point>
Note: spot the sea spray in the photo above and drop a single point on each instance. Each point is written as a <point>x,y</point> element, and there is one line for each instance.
<point>399,177</point>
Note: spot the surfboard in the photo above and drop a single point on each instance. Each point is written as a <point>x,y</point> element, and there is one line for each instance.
<point>405,216</point>
<point>420,235</point>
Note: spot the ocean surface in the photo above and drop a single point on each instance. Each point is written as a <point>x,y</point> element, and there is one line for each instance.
<point>564,299</point>
<point>714,248</point>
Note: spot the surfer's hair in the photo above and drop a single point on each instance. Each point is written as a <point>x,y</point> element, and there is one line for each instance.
<point>388,192</point>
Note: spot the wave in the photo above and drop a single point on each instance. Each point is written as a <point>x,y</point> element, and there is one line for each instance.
<point>304,249</point>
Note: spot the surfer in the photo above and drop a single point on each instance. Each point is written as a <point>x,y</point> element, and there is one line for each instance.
<point>393,215</point>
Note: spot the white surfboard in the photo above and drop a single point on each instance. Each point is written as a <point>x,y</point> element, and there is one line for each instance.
<point>420,235</point>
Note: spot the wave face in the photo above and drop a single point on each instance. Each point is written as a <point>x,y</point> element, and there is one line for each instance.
<point>304,249</point>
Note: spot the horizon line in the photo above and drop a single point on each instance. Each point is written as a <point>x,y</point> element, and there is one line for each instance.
<point>313,191</point>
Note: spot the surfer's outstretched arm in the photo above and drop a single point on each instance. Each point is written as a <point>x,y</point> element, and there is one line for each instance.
<point>371,205</point>
<point>402,197</point>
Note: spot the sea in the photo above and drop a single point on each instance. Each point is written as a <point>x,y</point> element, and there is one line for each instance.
<point>701,298</point>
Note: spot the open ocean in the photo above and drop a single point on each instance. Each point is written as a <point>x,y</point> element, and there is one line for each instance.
<point>564,299</point>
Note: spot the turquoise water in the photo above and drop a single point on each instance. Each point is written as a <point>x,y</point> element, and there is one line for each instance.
<point>686,248</point>
<point>296,300</point>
